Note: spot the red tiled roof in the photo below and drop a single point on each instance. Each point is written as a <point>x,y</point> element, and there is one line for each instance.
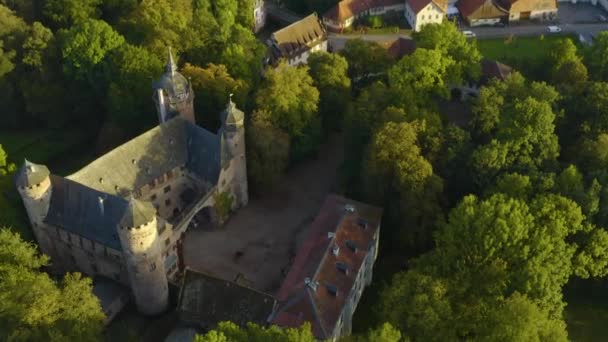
<point>400,47</point>
<point>316,262</point>
<point>418,5</point>
<point>347,9</point>
<point>493,69</point>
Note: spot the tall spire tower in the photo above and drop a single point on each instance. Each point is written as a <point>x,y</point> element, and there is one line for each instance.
<point>173,94</point>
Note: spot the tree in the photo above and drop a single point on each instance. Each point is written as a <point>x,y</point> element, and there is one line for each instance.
<point>329,73</point>
<point>86,45</point>
<point>446,38</point>
<point>243,55</point>
<point>244,15</point>
<point>568,72</point>
<point>419,76</point>
<point>365,59</point>
<point>228,331</point>
<point>66,13</point>
<point>130,71</point>
<point>36,45</point>
<point>212,88</point>
<point>5,166</point>
<point>288,98</point>
<point>267,153</point>
<point>519,319</point>
<point>595,108</point>
<point>383,333</point>
<point>598,57</point>
<point>12,30</point>
<point>37,308</point>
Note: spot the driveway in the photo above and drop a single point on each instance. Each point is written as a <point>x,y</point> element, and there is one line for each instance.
<point>579,13</point>
<point>259,241</point>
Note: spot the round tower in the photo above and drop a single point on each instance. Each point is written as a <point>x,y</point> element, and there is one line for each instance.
<point>173,94</point>
<point>33,182</point>
<point>143,256</point>
<point>233,153</point>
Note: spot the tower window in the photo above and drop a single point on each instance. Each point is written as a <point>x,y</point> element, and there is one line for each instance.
<point>152,266</point>
<point>167,188</point>
<point>168,202</point>
<point>167,242</point>
<point>153,197</point>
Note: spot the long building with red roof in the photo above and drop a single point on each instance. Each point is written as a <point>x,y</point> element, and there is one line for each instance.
<point>344,13</point>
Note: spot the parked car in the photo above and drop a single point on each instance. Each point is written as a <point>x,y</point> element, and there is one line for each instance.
<point>601,18</point>
<point>500,24</point>
<point>469,34</point>
<point>554,29</point>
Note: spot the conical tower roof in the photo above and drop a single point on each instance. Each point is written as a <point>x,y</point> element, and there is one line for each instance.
<point>232,115</point>
<point>137,213</point>
<point>30,174</point>
<point>174,84</point>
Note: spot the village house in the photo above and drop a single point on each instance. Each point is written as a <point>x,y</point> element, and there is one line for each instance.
<point>489,70</point>
<point>297,41</point>
<point>421,12</point>
<point>481,12</point>
<point>529,9</point>
<point>332,267</point>
<point>345,12</point>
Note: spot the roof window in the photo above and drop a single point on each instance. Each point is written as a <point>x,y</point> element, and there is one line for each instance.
<point>349,208</point>
<point>335,250</point>
<point>331,235</point>
<point>362,223</point>
<point>351,245</point>
<point>332,289</point>
<point>342,267</point>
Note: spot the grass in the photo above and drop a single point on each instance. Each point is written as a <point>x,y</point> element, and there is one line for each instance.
<point>518,48</point>
<point>587,310</point>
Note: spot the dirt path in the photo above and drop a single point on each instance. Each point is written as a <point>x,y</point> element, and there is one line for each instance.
<point>260,239</point>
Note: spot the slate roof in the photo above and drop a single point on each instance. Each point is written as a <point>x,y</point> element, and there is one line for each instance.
<point>316,262</point>
<point>298,37</point>
<point>77,209</point>
<point>206,300</point>
<point>232,115</point>
<point>418,5</point>
<point>347,9</point>
<point>30,174</point>
<point>137,162</point>
<point>175,85</point>
<point>137,213</point>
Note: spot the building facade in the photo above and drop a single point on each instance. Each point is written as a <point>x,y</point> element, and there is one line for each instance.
<point>529,9</point>
<point>344,14</point>
<point>481,12</point>
<point>297,41</point>
<point>122,216</point>
<point>259,15</point>
<point>422,12</point>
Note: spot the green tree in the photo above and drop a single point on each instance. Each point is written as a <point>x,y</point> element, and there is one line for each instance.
<point>288,98</point>
<point>365,59</point>
<point>595,108</point>
<point>37,308</point>
<point>267,153</point>
<point>568,72</point>
<point>36,45</point>
<point>244,15</point>
<point>212,88</point>
<point>12,32</point>
<point>420,76</point>
<point>519,319</point>
<point>223,205</point>
<point>228,331</point>
<point>243,55</point>
<point>329,73</point>
<point>5,166</point>
<point>597,58</point>
<point>86,45</point>
<point>446,38</point>
<point>66,13</point>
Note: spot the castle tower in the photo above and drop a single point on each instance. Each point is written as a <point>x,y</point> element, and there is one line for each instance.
<point>234,165</point>
<point>173,94</point>
<point>34,185</point>
<point>143,255</point>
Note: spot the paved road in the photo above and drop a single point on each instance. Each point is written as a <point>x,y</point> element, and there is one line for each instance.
<point>337,41</point>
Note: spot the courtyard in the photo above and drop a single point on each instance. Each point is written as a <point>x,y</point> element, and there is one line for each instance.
<point>256,246</point>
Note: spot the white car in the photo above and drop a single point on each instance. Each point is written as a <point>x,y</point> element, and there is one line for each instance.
<point>469,34</point>
<point>554,29</point>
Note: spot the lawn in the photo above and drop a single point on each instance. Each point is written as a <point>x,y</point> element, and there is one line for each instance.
<point>587,310</point>
<point>518,48</point>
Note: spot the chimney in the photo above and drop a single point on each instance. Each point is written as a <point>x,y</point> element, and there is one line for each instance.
<point>162,108</point>
<point>311,283</point>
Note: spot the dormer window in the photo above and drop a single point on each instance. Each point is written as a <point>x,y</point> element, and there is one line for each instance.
<point>362,223</point>
<point>342,267</point>
<point>351,245</point>
<point>332,289</point>
<point>335,250</point>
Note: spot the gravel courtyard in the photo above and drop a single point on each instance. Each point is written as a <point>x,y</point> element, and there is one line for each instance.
<point>259,241</point>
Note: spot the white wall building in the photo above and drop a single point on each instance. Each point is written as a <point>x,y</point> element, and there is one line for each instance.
<point>422,12</point>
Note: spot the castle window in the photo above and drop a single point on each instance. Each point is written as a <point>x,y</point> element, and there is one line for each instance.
<point>167,242</point>
<point>161,229</point>
<point>69,246</point>
<point>168,202</point>
<point>73,259</point>
<point>152,266</point>
<point>167,188</point>
<point>153,197</point>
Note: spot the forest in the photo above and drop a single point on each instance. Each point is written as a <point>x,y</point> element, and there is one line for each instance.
<point>486,223</point>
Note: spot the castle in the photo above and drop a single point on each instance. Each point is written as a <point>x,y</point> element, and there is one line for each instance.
<point>123,216</point>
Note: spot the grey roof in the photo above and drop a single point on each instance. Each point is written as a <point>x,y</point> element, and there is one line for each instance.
<point>108,291</point>
<point>232,115</point>
<point>86,212</point>
<point>137,213</point>
<point>298,37</point>
<point>30,174</point>
<point>206,300</point>
<point>175,85</point>
<point>137,162</point>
